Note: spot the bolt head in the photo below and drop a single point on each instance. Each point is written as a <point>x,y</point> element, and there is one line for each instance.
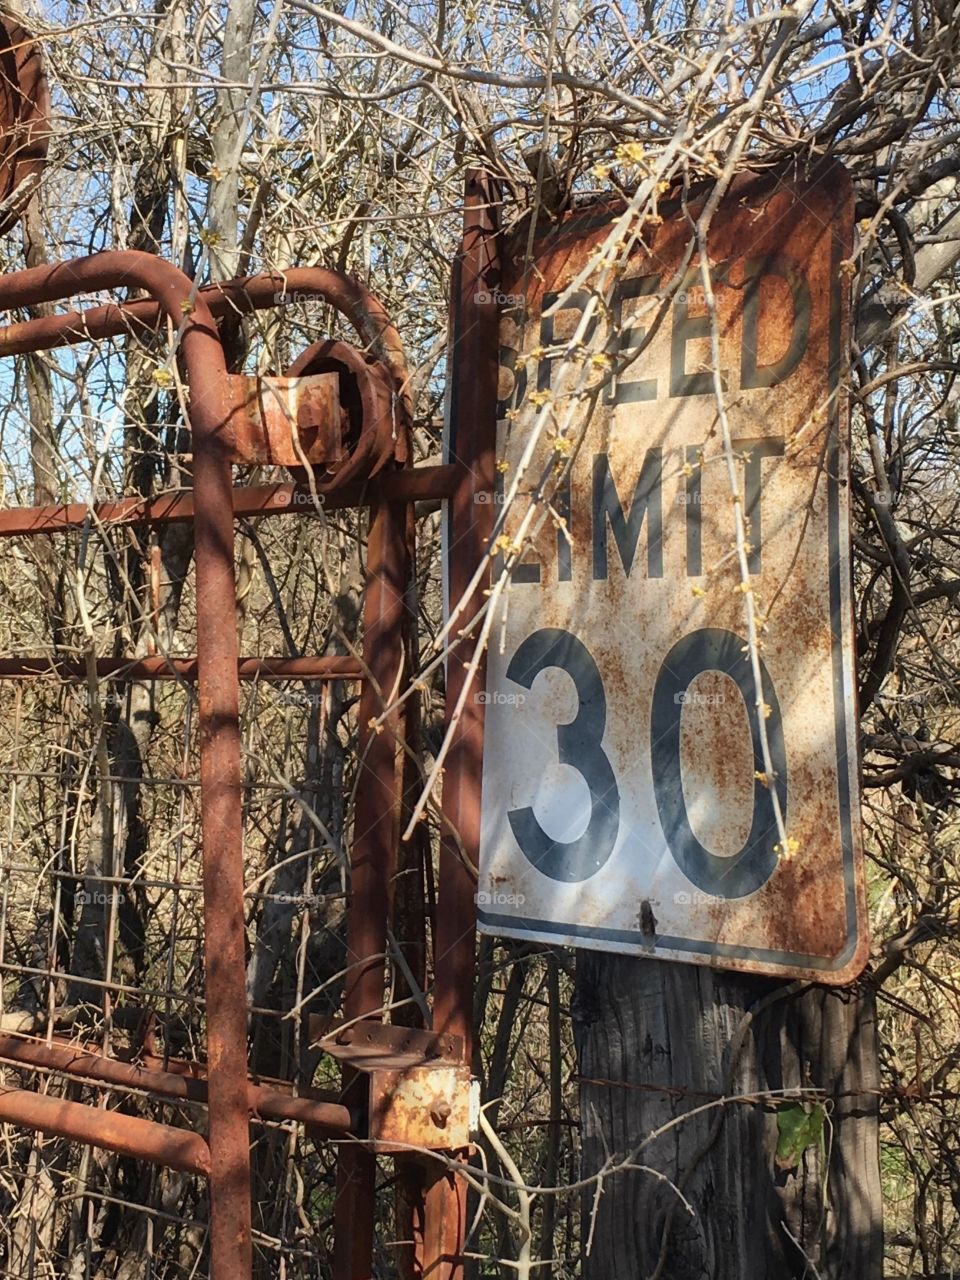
<point>440,1112</point>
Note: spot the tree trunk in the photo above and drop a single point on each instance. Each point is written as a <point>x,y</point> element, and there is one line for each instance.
<point>657,1042</point>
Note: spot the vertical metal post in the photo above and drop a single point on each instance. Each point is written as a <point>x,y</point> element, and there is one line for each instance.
<point>221,819</point>
<point>373,859</point>
<point>410,912</point>
<point>472,445</point>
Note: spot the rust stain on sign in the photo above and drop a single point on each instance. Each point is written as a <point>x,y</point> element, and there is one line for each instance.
<point>626,805</point>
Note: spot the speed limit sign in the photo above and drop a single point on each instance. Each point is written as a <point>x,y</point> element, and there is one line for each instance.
<point>631,799</point>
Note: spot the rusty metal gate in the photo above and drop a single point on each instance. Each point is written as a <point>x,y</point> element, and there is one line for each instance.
<point>339,420</point>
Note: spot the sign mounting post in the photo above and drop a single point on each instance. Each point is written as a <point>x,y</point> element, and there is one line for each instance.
<point>626,805</point>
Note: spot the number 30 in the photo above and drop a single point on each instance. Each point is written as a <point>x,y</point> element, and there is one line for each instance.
<point>579,744</point>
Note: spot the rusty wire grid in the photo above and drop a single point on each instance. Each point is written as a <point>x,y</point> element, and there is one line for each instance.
<point>147,1004</point>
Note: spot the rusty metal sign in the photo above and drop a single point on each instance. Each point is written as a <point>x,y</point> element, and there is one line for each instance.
<point>631,800</point>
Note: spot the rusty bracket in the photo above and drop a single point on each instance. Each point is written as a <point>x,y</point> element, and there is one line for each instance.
<point>267,409</point>
<point>421,1107</point>
<point>419,1088</point>
<point>379,1046</point>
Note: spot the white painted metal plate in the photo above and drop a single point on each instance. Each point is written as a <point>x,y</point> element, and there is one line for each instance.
<point>622,803</point>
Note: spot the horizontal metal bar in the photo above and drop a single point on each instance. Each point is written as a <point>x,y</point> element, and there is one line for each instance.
<point>54,776</point>
<point>69,1059</point>
<point>182,1081</point>
<point>128,1135</point>
<point>410,485</point>
<point>161,668</point>
<point>270,1100</point>
<point>330,1117</point>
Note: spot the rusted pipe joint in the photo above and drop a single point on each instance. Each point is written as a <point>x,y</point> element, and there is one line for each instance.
<point>376,415</point>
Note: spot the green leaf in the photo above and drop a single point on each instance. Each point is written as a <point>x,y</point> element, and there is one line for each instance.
<point>800,1126</point>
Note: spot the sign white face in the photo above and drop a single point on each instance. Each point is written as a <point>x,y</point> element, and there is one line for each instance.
<point>626,805</point>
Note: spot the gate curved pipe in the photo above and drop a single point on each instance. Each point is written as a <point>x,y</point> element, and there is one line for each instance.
<point>24,119</point>
<point>363,309</point>
<point>385,426</point>
<point>250,293</point>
